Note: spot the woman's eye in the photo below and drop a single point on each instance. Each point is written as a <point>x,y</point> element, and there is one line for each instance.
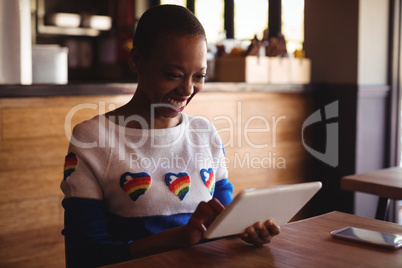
<point>200,77</point>
<point>173,75</point>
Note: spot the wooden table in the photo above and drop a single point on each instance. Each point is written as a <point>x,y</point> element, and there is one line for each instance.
<point>385,183</point>
<point>305,243</point>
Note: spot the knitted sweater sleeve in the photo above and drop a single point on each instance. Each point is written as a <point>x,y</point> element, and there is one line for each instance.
<point>87,241</point>
<point>224,191</point>
<point>223,187</point>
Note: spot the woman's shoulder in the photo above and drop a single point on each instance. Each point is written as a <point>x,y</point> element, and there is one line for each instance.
<point>198,121</point>
<point>90,130</point>
<point>93,124</point>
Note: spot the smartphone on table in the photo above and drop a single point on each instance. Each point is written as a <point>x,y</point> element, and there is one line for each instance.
<point>386,240</point>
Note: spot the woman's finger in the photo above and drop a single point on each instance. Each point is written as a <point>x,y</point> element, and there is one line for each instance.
<point>206,212</point>
<point>263,231</point>
<point>196,224</point>
<point>216,205</point>
<point>272,227</point>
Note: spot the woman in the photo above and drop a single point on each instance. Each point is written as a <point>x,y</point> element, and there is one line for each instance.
<point>147,178</point>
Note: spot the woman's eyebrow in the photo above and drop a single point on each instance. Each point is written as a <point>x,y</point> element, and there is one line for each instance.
<point>181,68</point>
<point>175,66</point>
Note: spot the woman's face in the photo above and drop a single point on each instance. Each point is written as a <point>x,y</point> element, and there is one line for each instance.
<point>173,73</point>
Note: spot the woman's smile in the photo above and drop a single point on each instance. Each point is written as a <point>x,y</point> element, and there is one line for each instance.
<point>177,103</point>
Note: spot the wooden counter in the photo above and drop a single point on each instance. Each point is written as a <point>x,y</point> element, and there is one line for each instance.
<point>34,134</point>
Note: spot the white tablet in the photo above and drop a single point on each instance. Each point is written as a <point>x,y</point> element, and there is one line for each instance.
<point>279,203</point>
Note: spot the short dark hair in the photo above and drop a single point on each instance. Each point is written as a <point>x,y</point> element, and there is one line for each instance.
<point>162,21</point>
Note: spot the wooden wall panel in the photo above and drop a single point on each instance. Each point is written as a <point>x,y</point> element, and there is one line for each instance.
<point>71,101</point>
<point>50,119</point>
<point>38,122</point>
<point>31,214</point>
<point>34,248</point>
<point>261,174</point>
<point>259,127</point>
<point>24,154</point>
<point>33,184</point>
<point>1,125</point>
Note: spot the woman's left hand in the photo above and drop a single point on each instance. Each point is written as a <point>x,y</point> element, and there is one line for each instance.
<point>260,233</point>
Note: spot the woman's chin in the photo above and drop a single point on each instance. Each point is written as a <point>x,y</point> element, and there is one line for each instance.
<point>170,112</point>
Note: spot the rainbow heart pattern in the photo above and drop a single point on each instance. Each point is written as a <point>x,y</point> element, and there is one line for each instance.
<point>208,178</point>
<point>70,165</point>
<point>135,184</point>
<point>179,184</point>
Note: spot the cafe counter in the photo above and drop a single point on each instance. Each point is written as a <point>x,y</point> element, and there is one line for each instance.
<point>86,89</point>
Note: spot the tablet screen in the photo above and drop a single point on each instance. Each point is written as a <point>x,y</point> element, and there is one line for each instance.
<point>279,203</point>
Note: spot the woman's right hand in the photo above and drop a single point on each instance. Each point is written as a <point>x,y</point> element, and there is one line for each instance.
<point>203,216</point>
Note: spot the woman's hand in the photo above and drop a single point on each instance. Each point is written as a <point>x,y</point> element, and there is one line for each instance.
<point>206,212</point>
<point>260,233</point>
<point>201,219</point>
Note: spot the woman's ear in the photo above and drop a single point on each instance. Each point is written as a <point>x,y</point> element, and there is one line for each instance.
<point>134,59</point>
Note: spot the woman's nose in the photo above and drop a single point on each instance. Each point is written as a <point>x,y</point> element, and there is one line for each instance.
<point>186,87</point>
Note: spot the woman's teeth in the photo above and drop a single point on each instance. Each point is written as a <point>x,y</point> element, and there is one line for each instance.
<point>177,104</point>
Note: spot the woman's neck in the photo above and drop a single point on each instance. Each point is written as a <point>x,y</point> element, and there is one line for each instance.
<point>137,113</point>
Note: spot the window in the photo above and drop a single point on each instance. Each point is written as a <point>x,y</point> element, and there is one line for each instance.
<point>174,2</point>
<point>250,18</point>
<point>209,12</point>
<point>211,15</point>
<point>293,24</point>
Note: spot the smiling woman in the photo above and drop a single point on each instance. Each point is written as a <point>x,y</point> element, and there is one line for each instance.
<point>117,209</point>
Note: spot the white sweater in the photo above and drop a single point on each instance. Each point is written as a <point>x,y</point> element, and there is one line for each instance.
<point>144,172</point>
